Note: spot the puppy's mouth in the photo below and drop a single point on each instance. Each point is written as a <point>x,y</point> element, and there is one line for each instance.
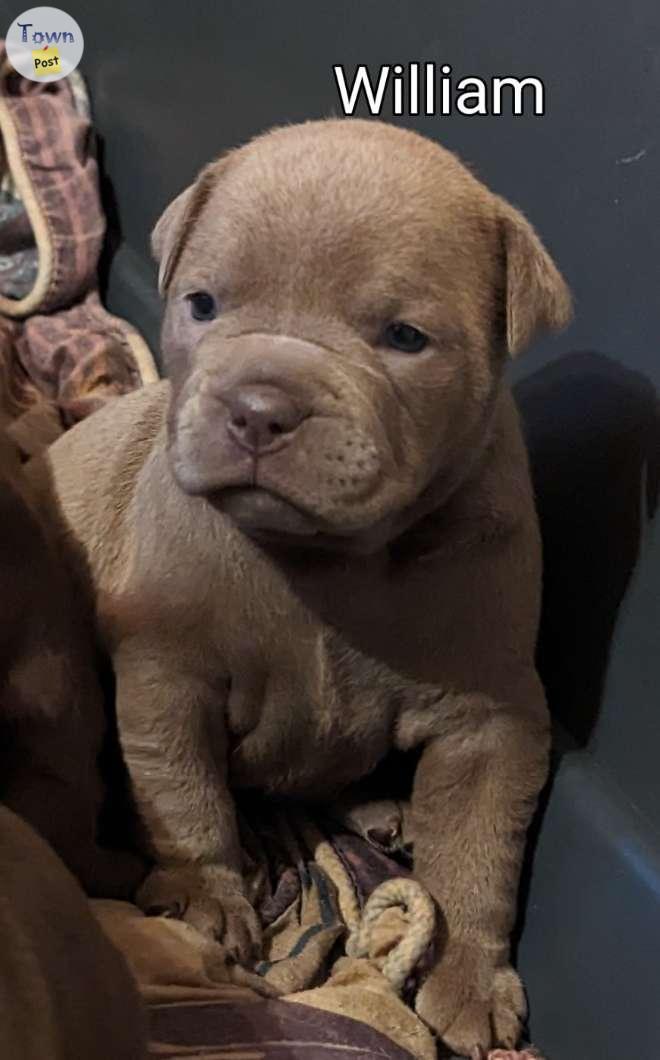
<point>271,520</point>
<point>260,513</point>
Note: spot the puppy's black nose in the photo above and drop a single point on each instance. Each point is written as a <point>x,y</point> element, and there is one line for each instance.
<point>261,418</point>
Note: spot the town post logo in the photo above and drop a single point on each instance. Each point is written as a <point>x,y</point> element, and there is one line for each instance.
<point>44,44</point>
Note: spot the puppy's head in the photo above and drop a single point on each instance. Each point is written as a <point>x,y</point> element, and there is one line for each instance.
<point>341,300</point>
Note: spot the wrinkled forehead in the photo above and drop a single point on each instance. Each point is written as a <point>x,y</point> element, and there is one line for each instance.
<point>343,213</point>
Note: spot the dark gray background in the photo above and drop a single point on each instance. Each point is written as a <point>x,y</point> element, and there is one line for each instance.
<point>174,84</point>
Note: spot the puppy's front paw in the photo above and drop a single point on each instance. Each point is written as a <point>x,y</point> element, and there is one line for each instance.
<point>471,1005</point>
<point>206,897</point>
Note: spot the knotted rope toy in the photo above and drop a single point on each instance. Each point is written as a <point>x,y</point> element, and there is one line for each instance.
<point>420,914</point>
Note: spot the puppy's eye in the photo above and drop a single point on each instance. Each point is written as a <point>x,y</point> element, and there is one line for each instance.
<point>405,337</point>
<point>202,306</point>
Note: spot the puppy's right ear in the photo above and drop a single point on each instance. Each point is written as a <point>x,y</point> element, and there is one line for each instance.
<point>537,297</point>
<point>175,224</point>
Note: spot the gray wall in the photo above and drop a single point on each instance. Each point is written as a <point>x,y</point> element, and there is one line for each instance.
<point>174,84</point>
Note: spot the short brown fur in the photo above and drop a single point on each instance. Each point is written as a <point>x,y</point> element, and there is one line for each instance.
<point>52,720</point>
<point>283,618</point>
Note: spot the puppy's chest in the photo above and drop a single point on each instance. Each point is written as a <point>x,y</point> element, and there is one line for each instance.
<point>308,722</point>
<point>314,702</point>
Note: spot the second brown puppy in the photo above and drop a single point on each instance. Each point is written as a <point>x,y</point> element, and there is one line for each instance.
<point>52,720</point>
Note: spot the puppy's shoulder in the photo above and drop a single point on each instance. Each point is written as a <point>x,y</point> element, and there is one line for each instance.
<point>124,425</point>
<point>86,480</point>
<point>120,435</point>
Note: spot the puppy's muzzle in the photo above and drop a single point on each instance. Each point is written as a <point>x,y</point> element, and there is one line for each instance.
<point>262,418</point>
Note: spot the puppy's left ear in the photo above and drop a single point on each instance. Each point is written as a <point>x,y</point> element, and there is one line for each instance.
<point>175,224</point>
<point>537,297</point>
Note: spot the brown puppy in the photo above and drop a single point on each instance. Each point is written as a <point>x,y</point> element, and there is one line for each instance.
<point>318,542</point>
<point>51,710</point>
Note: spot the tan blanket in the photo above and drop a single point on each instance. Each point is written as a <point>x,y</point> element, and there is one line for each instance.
<point>347,935</point>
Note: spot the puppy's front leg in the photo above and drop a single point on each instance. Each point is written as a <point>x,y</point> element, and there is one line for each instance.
<point>177,763</point>
<point>474,793</point>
